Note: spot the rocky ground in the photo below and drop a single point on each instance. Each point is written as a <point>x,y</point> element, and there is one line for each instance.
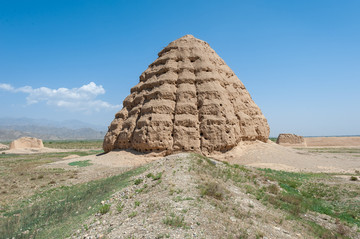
<point>189,196</point>
<point>174,205</point>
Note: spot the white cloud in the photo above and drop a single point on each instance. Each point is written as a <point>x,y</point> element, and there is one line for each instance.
<point>6,87</point>
<point>76,99</point>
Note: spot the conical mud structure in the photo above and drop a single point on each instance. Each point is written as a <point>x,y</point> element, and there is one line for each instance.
<point>188,99</point>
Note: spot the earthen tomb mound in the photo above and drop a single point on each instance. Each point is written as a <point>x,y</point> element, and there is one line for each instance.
<point>188,99</point>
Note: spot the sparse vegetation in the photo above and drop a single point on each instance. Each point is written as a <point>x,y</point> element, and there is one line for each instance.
<point>353,178</point>
<point>332,150</point>
<point>138,181</point>
<point>296,194</point>
<point>23,171</point>
<point>160,236</point>
<point>175,221</point>
<point>80,164</point>
<point>52,182</point>
<point>243,234</point>
<point>273,139</point>
<point>212,190</point>
<point>179,198</point>
<point>74,144</point>
<point>154,177</point>
<point>133,214</point>
<point>119,207</point>
<point>141,189</point>
<point>319,193</point>
<point>259,235</point>
<point>104,209</point>
<point>273,188</point>
<point>60,209</point>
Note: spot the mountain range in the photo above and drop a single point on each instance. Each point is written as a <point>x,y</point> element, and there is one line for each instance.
<point>13,128</point>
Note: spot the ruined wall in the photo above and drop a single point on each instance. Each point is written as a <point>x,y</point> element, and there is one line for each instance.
<point>27,142</point>
<point>290,140</point>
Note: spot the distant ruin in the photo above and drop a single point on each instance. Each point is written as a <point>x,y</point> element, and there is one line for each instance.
<point>290,140</point>
<point>3,147</point>
<point>27,142</point>
<point>188,99</point>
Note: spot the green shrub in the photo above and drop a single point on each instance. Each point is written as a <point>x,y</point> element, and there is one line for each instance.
<point>81,163</point>
<point>133,214</point>
<point>141,189</point>
<point>157,176</point>
<point>104,209</point>
<point>119,207</point>
<point>138,181</point>
<point>154,177</point>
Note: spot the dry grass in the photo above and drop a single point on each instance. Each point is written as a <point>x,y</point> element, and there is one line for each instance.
<point>55,212</point>
<point>74,144</point>
<point>212,189</point>
<point>21,176</point>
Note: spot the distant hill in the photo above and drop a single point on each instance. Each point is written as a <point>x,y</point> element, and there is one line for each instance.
<point>71,124</point>
<point>13,128</point>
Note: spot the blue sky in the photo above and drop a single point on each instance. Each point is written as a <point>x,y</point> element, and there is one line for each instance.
<point>300,60</point>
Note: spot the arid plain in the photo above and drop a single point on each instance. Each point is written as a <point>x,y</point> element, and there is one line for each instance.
<point>282,192</point>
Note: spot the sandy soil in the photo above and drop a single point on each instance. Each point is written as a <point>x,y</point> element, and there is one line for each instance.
<point>37,150</point>
<point>255,154</point>
<point>271,155</point>
<point>333,141</point>
<point>104,165</point>
<point>114,159</point>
